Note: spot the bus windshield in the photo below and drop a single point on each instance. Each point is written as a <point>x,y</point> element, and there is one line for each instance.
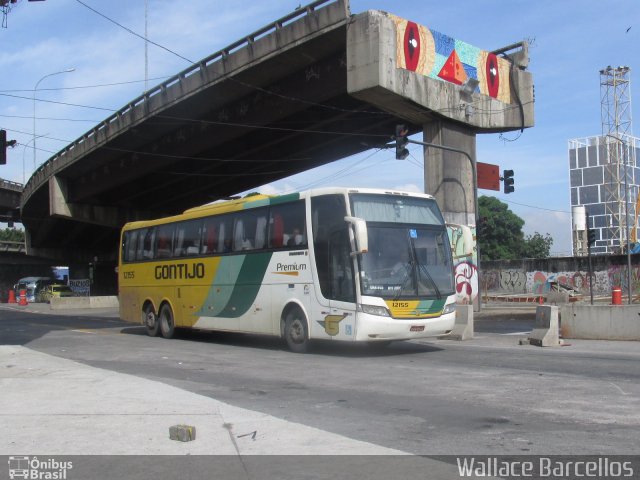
<point>406,262</point>
<point>408,253</point>
<point>396,209</point>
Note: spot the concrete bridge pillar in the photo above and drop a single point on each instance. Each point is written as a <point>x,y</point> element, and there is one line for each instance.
<point>448,175</point>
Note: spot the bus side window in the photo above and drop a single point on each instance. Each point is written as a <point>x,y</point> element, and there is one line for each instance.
<point>341,267</point>
<point>276,231</point>
<point>287,225</point>
<point>224,239</point>
<point>188,238</point>
<point>148,243</point>
<point>130,242</point>
<point>250,230</point>
<point>328,213</point>
<point>165,241</point>
<point>210,243</point>
<point>261,231</point>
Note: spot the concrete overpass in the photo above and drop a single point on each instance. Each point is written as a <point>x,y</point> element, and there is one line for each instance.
<point>10,193</point>
<point>312,87</point>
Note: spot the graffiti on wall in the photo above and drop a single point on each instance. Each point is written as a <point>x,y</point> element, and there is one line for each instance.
<point>441,57</point>
<point>617,275</point>
<point>541,282</point>
<point>465,266</point>
<point>513,280</point>
<point>508,281</point>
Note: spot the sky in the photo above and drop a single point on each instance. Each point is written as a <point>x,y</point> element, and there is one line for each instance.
<point>570,42</point>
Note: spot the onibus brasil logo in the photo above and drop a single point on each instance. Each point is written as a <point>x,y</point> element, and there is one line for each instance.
<point>36,469</point>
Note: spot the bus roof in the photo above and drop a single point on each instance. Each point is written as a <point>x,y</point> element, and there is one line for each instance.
<point>259,200</point>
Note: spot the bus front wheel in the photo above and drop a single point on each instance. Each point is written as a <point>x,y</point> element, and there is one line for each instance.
<point>296,332</point>
<point>150,321</point>
<point>167,324</point>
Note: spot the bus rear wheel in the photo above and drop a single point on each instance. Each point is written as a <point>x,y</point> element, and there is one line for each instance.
<point>296,332</point>
<point>150,321</point>
<point>167,324</point>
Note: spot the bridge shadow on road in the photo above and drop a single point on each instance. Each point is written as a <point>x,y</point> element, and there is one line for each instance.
<point>21,327</point>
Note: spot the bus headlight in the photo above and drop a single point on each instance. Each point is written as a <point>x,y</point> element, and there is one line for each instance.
<point>374,310</point>
<point>449,308</point>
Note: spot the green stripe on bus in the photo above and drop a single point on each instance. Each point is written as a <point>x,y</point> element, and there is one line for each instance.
<point>291,197</point>
<point>256,203</point>
<point>236,285</point>
<point>427,307</point>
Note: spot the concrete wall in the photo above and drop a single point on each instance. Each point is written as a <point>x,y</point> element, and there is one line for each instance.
<point>600,322</point>
<point>84,302</point>
<point>534,276</point>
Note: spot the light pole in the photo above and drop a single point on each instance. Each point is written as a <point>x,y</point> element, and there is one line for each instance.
<point>23,152</point>
<point>623,145</point>
<point>68,70</point>
<point>474,180</point>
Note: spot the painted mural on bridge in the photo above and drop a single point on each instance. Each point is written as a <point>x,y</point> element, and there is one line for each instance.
<point>435,55</point>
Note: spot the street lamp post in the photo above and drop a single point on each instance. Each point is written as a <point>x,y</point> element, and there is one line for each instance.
<point>23,152</point>
<point>68,70</point>
<point>474,180</point>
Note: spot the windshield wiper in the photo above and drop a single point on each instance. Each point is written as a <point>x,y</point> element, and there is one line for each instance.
<point>424,270</point>
<point>408,267</point>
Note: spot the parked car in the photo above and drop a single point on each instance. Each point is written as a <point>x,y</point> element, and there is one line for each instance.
<point>55,290</point>
<point>31,285</point>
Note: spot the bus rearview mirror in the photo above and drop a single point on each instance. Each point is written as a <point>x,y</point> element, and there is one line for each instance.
<point>360,232</point>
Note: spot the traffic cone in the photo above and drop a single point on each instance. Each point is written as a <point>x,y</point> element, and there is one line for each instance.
<point>12,297</point>
<point>23,298</point>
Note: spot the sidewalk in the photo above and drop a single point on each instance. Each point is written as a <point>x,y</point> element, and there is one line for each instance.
<point>60,407</point>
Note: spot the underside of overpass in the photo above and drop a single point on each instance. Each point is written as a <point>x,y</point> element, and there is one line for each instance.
<point>10,193</point>
<point>313,87</point>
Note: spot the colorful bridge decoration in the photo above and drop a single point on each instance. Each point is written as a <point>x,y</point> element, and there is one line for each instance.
<point>438,56</point>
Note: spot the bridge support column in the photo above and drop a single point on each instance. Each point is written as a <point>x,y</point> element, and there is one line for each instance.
<point>96,278</point>
<point>448,175</point>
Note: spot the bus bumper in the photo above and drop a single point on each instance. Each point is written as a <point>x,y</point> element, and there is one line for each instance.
<point>372,327</point>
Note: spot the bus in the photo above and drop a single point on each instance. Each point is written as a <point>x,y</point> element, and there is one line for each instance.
<point>342,264</point>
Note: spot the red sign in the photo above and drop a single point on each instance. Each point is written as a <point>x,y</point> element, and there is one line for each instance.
<point>488,176</point>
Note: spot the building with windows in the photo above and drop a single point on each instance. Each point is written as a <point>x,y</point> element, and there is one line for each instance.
<point>605,179</point>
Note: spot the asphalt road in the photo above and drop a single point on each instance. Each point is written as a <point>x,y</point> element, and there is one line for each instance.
<point>485,396</point>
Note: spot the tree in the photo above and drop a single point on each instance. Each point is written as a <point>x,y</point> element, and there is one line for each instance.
<point>537,246</point>
<point>499,231</point>
<point>500,234</point>
<point>12,235</point>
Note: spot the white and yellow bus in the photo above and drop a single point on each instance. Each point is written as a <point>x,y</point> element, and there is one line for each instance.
<point>344,264</point>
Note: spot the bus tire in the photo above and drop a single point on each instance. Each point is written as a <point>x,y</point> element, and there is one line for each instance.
<point>166,321</point>
<point>296,331</point>
<point>150,321</point>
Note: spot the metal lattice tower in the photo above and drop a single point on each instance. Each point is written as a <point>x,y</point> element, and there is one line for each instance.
<point>615,97</point>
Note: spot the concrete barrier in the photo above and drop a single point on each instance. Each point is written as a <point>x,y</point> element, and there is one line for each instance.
<point>463,328</point>
<point>601,322</point>
<point>546,329</point>
<point>84,302</point>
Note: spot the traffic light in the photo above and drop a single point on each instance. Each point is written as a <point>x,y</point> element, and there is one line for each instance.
<point>591,236</point>
<point>401,142</point>
<point>3,147</point>
<point>507,178</point>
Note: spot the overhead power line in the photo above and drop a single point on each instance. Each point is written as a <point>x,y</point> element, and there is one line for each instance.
<point>134,33</point>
